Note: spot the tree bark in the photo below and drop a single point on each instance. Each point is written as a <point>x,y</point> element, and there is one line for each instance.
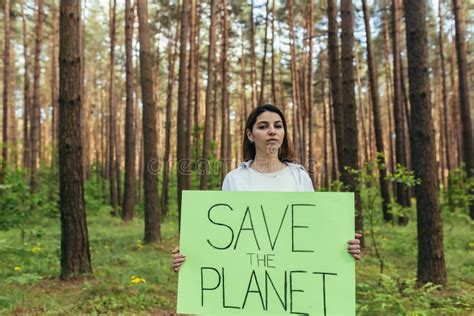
<point>75,255</point>
<point>350,148</point>
<point>172,49</point>
<point>35,119</point>
<point>335,77</point>
<point>225,124</point>
<point>374,94</point>
<point>211,57</point>
<point>431,264</point>
<point>152,214</point>
<point>128,204</point>
<point>445,107</point>
<point>400,145</point>
<point>466,126</point>
<point>264,60</point>
<point>182,115</point>
<point>6,85</point>
<point>26,94</point>
<point>253,67</point>
<point>112,120</point>
<point>274,98</point>
<point>309,84</point>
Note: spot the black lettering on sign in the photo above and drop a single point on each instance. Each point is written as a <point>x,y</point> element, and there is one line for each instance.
<point>324,287</point>
<point>283,301</point>
<point>223,293</point>
<point>272,244</point>
<point>208,288</point>
<point>294,227</point>
<point>252,228</point>
<point>220,224</point>
<point>293,290</point>
<point>254,277</point>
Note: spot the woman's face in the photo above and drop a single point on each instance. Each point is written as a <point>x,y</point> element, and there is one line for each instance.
<point>267,133</point>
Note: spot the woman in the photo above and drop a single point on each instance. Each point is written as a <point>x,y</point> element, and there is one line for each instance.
<point>267,165</point>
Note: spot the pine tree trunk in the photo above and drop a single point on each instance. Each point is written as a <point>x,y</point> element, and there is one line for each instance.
<point>225,124</point>
<point>112,118</point>
<point>128,205</point>
<point>374,94</point>
<point>190,91</point>
<point>211,57</point>
<point>349,107</point>
<point>295,97</point>
<point>309,85</point>
<point>35,118</point>
<point>197,89</point>
<point>152,213</point>
<point>400,145</point>
<point>466,124</point>
<point>274,97</point>
<point>6,85</point>
<point>335,77</point>
<point>75,255</point>
<point>431,264</point>
<point>26,94</point>
<point>172,49</point>
<point>264,60</point>
<point>182,115</point>
<point>445,108</point>
<point>54,85</point>
<point>253,67</point>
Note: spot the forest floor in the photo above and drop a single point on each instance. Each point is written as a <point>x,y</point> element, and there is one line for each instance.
<point>130,277</point>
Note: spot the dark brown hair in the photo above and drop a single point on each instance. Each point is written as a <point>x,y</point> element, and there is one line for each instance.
<point>285,154</point>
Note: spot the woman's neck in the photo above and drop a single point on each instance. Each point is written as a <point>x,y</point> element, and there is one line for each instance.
<point>267,163</point>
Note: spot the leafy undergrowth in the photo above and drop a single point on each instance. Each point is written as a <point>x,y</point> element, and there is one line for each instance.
<point>132,278</point>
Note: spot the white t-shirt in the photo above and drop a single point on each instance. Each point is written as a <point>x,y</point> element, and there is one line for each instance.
<point>282,180</point>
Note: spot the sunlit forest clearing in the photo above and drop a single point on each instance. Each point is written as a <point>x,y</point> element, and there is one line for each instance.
<point>110,109</point>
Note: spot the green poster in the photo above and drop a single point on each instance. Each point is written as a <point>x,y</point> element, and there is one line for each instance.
<point>266,253</point>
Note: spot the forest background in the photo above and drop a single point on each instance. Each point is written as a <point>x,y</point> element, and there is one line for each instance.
<point>112,108</point>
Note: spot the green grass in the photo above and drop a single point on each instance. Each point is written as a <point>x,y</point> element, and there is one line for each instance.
<point>118,255</point>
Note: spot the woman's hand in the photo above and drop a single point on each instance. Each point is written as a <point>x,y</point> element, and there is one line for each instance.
<point>354,246</point>
<point>177,259</point>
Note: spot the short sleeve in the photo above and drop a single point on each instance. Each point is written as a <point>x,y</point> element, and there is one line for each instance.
<point>306,181</point>
<point>226,185</point>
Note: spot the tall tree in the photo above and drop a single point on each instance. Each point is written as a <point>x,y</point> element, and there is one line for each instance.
<point>431,264</point>
<point>152,214</point>
<point>211,61</point>
<point>6,90</point>
<point>75,255</point>
<point>35,128</point>
<point>350,149</point>
<point>26,93</point>
<point>112,117</point>
<point>128,205</point>
<point>445,107</point>
<point>183,167</point>
<point>253,67</point>
<point>54,81</point>
<point>468,146</point>
<point>172,49</point>
<point>192,64</point>
<point>274,98</point>
<point>400,144</point>
<point>374,94</point>
<point>225,124</point>
<point>264,60</point>
<point>335,77</point>
<point>309,87</point>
